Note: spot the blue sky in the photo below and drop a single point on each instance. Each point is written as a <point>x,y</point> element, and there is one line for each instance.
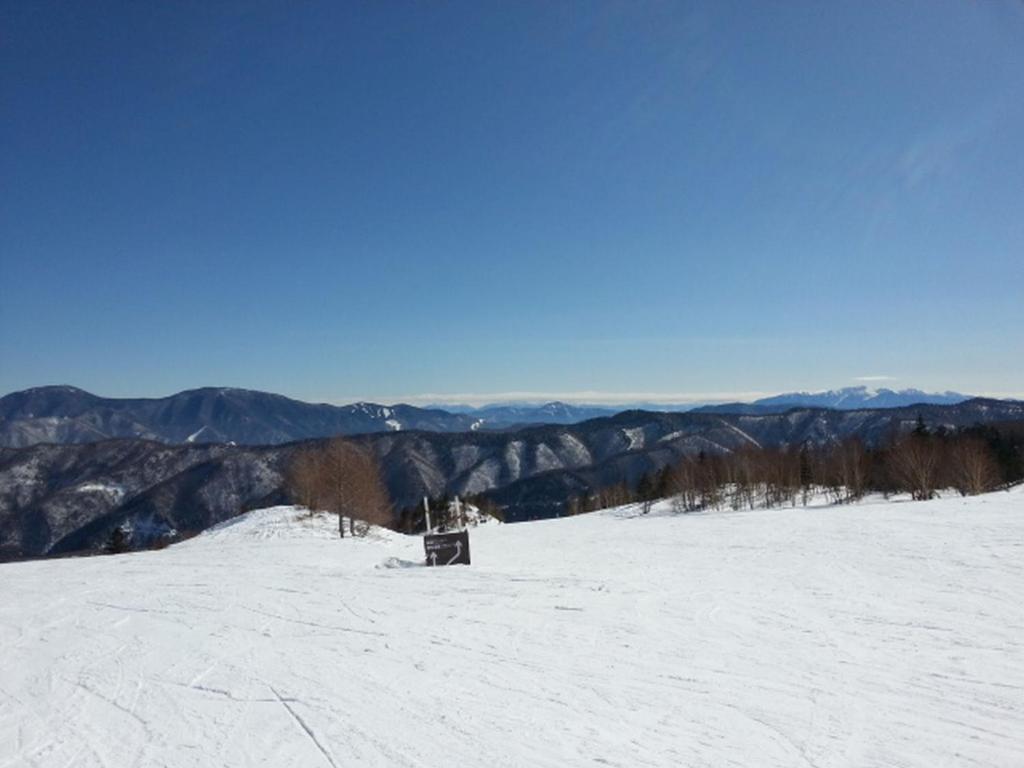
<point>429,201</point>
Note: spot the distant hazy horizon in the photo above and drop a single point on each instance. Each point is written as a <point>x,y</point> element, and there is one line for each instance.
<point>678,400</point>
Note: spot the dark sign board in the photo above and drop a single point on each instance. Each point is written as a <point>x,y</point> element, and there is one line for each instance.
<point>447,548</point>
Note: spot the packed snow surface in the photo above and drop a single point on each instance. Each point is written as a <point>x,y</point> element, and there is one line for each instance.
<point>883,634</point>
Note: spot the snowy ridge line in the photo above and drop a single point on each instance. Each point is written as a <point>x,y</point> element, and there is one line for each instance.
<point>531,472</point>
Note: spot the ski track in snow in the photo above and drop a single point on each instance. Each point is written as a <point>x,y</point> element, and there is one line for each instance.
<point>883,634</point>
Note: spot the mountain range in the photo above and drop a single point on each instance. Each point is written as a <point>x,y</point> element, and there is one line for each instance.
<point>65,414</point>
<point>209,415</point>
<point>57,499</point>
<point>519,413</point>
<point>846,399</point>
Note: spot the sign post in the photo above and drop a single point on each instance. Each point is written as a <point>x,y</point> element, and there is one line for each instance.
<point>447,548</point>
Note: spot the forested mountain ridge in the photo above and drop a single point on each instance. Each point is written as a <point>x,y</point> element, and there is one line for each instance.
<point>209,415</point>
<point>65,414</point>
<point>63,498</point>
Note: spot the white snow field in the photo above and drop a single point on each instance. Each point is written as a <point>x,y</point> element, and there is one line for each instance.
<point>883,634</point>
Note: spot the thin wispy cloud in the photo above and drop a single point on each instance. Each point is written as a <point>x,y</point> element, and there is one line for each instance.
<point>874,378</point>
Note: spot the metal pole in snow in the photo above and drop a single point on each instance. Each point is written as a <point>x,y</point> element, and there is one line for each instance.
<point>426,510</point>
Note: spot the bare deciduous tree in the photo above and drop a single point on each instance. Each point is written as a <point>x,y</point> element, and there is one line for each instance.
<point>343,478</point>
<point>305,479</point>
<point>972,467</point>
<point>846,470</point>
<point>684,485</point>
<point>919,462</point>
<point>915,461</point>
<point>615,495</point>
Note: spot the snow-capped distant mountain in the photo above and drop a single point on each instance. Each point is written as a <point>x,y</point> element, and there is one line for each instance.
<point>850,398</point>
<point>845,399</point>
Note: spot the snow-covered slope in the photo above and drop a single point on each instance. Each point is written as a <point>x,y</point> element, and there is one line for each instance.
<point>877,635</point>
